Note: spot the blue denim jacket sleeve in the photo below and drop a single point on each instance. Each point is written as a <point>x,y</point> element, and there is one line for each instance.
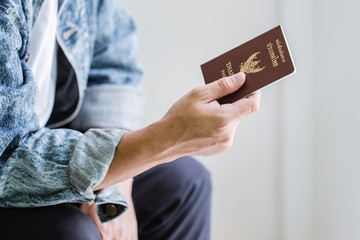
<point>39,166</point>
<point>114,96</point>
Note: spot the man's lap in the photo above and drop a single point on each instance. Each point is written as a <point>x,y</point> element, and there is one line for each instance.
<point>172,201</point>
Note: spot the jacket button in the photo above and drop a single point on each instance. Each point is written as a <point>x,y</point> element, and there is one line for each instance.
<point>67,34</point>
<point>110,210</point>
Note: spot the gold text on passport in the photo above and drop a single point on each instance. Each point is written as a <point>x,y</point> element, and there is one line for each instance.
<point>272,54</point>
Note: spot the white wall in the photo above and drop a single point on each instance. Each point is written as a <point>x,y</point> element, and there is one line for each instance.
<point>337,161</point>
<point>297,120</point>
<point>175,38</point>
<point>292,171</point>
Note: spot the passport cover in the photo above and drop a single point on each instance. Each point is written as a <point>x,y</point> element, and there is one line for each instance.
<point>264,59</point>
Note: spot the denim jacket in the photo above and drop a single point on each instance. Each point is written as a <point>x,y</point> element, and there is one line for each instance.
<point>47,166</point>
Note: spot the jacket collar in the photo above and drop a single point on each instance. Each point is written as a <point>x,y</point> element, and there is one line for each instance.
<point>36,5</point>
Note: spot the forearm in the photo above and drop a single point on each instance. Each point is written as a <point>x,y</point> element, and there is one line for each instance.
<point>195,125</point>
<point>141,150</point>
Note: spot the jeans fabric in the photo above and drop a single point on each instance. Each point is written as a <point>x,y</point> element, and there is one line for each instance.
<point>172,202</point>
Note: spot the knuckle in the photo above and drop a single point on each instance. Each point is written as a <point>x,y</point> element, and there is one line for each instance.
<point>226,143</point>
<point>220,123</point>
<point>224,84</point>
<point>254,107</point>
<point>196,92</point>
<point>223,138</point>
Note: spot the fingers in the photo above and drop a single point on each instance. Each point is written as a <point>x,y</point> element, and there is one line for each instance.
<point>247,106</point>
<point>255,95</point>
<point>223,86</point>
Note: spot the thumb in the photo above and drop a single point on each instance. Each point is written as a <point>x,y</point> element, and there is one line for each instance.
<point>225,86</point>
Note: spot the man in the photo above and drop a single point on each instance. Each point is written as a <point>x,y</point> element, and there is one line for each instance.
<point>84,64</point>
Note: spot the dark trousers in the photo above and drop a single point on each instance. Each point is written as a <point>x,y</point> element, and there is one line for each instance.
<point>172,201</point>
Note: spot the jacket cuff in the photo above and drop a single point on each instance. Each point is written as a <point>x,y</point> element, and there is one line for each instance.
<point>91,159</point>
<point>110,203</point>
<point>111,106</point>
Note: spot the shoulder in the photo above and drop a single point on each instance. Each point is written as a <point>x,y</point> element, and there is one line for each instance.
<point>15,23</point>
<point>15,11</point>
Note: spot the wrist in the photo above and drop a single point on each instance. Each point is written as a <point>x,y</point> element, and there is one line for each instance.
<point>161,141</point>
<point>141,150</point>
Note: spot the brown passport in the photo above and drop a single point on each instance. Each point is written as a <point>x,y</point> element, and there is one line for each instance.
<point>264,59</point>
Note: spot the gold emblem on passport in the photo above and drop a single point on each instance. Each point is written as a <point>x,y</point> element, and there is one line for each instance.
<point>269,57</point>
<point>250,66</point>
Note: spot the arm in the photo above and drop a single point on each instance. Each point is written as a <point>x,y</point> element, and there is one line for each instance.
<point>114,96</point>
<point>196,124</point>
<point>39,166</point>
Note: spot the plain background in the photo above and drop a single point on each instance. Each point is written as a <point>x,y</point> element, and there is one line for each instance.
<point>293,172</point>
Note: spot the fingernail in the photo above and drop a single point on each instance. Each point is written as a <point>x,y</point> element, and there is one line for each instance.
<point>243,75</point>
<point>239,77</point>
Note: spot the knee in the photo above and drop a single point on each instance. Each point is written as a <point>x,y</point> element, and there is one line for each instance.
<point>184,181</point>
<point>73,224</point>
<point>196,174</point>
<point>190,177</point>
<point>171,194</point>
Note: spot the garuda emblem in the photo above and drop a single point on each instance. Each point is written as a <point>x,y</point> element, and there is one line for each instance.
<point>250,66</point>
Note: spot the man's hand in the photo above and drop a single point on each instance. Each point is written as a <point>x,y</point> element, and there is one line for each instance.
<point>195,125</point>
<point>201,125</point>
<point>123,227</point>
